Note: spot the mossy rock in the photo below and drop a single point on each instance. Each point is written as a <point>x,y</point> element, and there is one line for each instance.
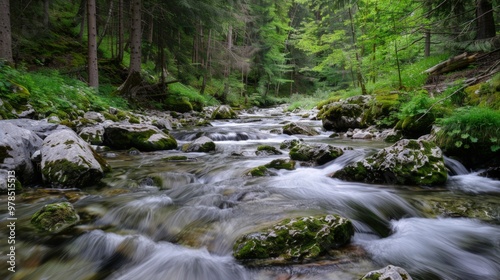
<point>264,170</point>
<point>416,126</point>
<point>142,137</point>
<point>295,239</point>
<point>176,158</point>
<point>407,162</point>
<point>263,150</point>
<point>224,112</point>
<point>389,272</point>
<point>295,128</point>
<point>318,153</point>
<point>202,145</point>
<point>55,217</point>
<point>288,144</point>
<point>178,104</point>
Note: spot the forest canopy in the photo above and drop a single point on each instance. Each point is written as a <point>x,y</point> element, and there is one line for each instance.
<point>243,51</point>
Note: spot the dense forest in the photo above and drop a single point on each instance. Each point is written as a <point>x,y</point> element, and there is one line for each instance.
<point>185,54</point>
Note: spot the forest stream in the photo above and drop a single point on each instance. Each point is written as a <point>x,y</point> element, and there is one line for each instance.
<point>185,228</point>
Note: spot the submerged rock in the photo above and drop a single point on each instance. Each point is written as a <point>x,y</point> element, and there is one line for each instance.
<point>389,272</point>
<point>68,161</point>
<point>140,136</point>
<point>224,112</point>
<point>295,128</point>
<point>296,238</point>
<point>202,145</point>
<point>407,162</point>
<point>277,164</point>
<point>318,153</point>
<point>266,150</point>
<point>55,217</point>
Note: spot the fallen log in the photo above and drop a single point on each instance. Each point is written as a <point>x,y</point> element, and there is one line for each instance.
<point>454,63</point>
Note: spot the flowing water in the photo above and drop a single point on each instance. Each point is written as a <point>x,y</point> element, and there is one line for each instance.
<point>178,220</point>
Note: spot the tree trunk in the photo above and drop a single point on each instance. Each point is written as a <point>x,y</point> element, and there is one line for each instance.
<point>119,56</point>
<point>106,25</point>
<point>427,48</point>
<point>135,38</point>
<point>5,33</point>
<point>134,80</point>
<point>452,64</point>
<point>82,12</point>
<point>92,44</point>
<point>359,75</point>
<point>46,13</point>
<point>485,20</point>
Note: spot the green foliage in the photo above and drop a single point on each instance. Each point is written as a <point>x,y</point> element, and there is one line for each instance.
<point>418,104</point>
<point>50,92</point>
<point>474,128</point>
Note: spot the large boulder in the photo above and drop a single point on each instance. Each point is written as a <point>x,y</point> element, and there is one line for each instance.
<point>41,128</point>
<point>17,146</point>
<point>224,112</point>
<point>295,128</point>
<point>68,161</point>
<point>55,217</point>
<point>389,272</point>
<point>407,162</point>
<point>318,153</point>
<point>296,239</point>
<point>139,136</point>
<point>202,144</point>
<point>345,114</point>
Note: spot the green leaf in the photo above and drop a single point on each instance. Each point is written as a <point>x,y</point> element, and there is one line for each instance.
<point>473,139</point>
<point>493,139</point>
<point>465,135</point>
<point>495,148</point>
<point>458,144</point>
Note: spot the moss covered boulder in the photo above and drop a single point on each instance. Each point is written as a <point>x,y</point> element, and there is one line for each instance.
<point>264,170</point>
<point>140,136</point>
<point>345,114</point>
<point>69,162</point>
<point>318,153</point>
<point>266,150</point>
<point>295,128</point>
<point>295,239</point>
<point>224,112</point>
<point>202,145</point>
<point>407,162</point>
<point>55,217</point>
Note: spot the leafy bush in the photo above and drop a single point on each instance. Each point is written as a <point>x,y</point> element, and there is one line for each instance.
<point>473,128</point>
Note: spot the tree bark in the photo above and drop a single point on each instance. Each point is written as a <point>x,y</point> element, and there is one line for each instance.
<point>452,64</point>
<point>46,13</point>
<point>5,32</point>
<point>135,38</point>
<point>485,20</point>
<point>119,56</point>
<point>134,80</point>
<point>92,44</point>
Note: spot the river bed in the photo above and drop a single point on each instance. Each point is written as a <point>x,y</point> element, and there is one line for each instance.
<point>179,219</point>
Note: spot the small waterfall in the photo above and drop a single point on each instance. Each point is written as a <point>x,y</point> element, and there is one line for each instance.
<point>455,167</point>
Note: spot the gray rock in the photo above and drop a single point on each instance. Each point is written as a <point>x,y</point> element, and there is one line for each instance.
<point>41,128</point>
<point>389,272</point>
<point>202,144</point>
<point>224,112</point>
<point>295,128</point>
<point>93,134</point>
<point>95,116</point>
<point>68,161</point>
<point>407,162</point>
<point>318,153</point>
<point>55,217</point>
<point>17,145</point>
<point>141,136</point>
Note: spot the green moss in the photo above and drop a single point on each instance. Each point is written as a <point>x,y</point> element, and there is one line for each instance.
<point>296,239</point>
<point>281,164</point>
<point>64,173</point>
<point>133,119</point>
<point>110,117</point>
<point>55,217</point>
<point>207,147</point>
<point>174,158</point>
<point>181,105</point>
<point>266,149</point>
<point>259,171</point>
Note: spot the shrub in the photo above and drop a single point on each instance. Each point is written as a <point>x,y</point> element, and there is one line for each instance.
<point>472,135</point>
